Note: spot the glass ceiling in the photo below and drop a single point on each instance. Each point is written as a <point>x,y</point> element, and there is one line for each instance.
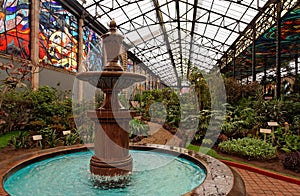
<point>171,36</point>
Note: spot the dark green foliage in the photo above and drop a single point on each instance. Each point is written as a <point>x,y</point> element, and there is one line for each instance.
<point>33,110</point>
<point>292,161</point>
<point>21,141</point>
<point>168,98</point>
<point>286,141</point>
<point>50,137</point>
<point>138,128</point>
<point>200,85</point>
<point>99,97</point>
<point>84,125</point>
<point>50,108</point>
<point>44,111</point>
<point>249,148</point>
<point>14,113</point>
<point>72,139</point>
<point>6,138</point>
<point>239,121</point>
<point>236,91</point>
<point>204,118</point>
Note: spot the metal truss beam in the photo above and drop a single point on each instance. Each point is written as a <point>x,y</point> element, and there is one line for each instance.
<point>163,28</point>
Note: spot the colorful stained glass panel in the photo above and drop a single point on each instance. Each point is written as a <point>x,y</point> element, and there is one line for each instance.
<point>14,28</point>
<point>92,54</point>
<point>58,36</point>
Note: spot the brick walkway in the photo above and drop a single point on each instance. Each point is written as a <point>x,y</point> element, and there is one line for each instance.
<point>257,184</point>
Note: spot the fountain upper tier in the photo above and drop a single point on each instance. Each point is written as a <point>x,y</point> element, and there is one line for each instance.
<point>113,76</point>
<point>111,80</point>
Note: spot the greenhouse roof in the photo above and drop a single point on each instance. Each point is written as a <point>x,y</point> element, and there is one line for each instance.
<point>170,37</point>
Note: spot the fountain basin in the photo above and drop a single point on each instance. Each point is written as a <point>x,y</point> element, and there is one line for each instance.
<point>219,178</point>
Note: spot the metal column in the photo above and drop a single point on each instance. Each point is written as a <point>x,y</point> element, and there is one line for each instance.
<point>278,49</point>
<point>34,43</point>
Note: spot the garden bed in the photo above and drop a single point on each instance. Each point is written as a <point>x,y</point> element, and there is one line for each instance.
<point>272,165</point>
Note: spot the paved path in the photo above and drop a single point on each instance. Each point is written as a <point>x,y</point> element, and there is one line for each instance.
<point>258,184</point>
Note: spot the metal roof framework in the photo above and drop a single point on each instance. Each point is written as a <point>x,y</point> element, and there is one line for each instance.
<point>171,36</point>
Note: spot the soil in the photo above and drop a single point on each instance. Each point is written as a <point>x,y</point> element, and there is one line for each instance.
<point>9,152</point>
<point>159,135</point>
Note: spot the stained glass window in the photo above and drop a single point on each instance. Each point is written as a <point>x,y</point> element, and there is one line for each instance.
<point>92,53</point>
<point>58,36</point>
<point>14,28</point>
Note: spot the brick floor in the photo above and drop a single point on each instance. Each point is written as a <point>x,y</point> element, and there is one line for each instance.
<point>258,184</point>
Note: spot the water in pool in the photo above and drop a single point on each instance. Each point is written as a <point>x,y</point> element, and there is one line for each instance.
<point>153,174</point>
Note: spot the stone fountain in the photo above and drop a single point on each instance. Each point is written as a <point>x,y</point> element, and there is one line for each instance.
<point>111,142</point>
<point>111,153</point>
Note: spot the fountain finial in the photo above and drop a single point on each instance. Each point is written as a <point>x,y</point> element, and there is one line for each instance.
<point>112,26</point>
<point>112,43</point>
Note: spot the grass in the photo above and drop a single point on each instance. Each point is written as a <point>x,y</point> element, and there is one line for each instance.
<point>4,139</point>
<point>209,152</point>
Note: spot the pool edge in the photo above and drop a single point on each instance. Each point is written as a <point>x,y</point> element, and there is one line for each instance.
<point>219,177</point>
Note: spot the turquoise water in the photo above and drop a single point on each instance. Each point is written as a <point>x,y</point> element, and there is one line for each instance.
<point>154,174</point>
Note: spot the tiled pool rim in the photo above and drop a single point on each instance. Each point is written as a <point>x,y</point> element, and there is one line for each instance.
<point>219,177</point>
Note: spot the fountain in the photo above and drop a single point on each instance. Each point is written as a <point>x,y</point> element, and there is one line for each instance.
<point>157,169</point>
<point>111,141</point>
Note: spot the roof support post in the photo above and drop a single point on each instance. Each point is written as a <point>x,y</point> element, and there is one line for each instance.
<point>234,61</point>
<point>34,43</point>
<point>296,65</point>
<point>179,35</point>
<point>226,62</point>
<point>253,55</point>
<point>247,76</point>
<point>192,37</point>
<point>278,49</point>
<point>265,77</point>
<point>296,88</point>
<point>80,56</point>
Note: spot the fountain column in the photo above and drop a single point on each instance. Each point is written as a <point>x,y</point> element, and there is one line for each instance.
<point>111,140</point>
<point>111,143</point>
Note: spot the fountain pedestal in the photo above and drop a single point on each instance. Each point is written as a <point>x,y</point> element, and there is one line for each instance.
<point>111,140</point>
<point>111,143</point>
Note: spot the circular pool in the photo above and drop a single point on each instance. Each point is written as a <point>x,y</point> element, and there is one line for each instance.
<point>154,173</point>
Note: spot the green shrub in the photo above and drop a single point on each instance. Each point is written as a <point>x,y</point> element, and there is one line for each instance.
<point>49,137</point>
<point>72,139</point>
<point>286,141</point>
<point>292,161</point>
<point>249,148</point>
<point>4,139</point>
<point>167,97</point>
<point>21,141</point>
<point>138,128</point>
<point>14,113</point>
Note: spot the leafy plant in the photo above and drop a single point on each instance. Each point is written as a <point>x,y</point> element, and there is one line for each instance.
<point>138,128</point>
<point>14,113</point>
<point>286,141</point>
<point>249,148</point>
<point>17,73</point>
<point>4,139</point>
<point>84,125</point>
<point>239,121</point>
<point>21,140</point>
<point>292,161</point>
<point>200,85</point>
<point>49,136</point>
<point>72,138</point>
